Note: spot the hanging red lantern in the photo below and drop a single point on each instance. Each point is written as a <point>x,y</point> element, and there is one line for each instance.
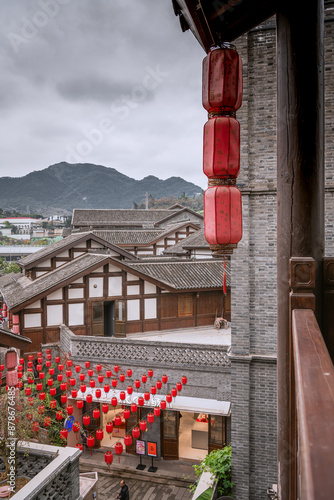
<point>184,380</point>
<point>31,401</point>
<point>35,426</point>
<point>63,386</point>
<point>79,404</point>
<point>147,396</point>
<point>63,434</point>
<point>39,386</point>
<point>30,365</point>
<point>68,373</point>
<point>153,389</point>
<point>41,375</point>
<point>39,368</point>
<point>116,368</point>
<point>51,371</point>
<point>150,373</point>
<point>90,373</point>
<point>53,404</point>
<point>53,391</point>
<point>109,427</point>
<point>90,443</point>
<point>60,377</point>
<point>179,386</point>
<point>63,398</point>
<point>158,384</point>
<point>42,396</point>
<point>89,398</point>
<point>99,435</point>
<point>72,381</point>
<point>78,368</point>
<point>83,388</point>
<point>29,416</point>
<point>169,398</point>
<point>106,388</point>
<point>21,361</point>
<point>141,401</point>
<point>98,368</point>
<point>96,414</point>
<point>92,383</point>
<point>143,425</point>
<point>74,393</point>
<point>122,395</point>
<point>221,147</point>
<point>156,411</point>
<point>82,377</point>
<point>27,391</point>
<point>164,379</point>
<point>137,384</point>
<point>222,80</point>
<point>135,432</point>
<point>105,408</point>
<point>222,217</point>
<point>39,358</point>
<point>150,418</point>
<point>127,440</point>
<point>129,390</point>
<point>57,359</point>
<point>47,422</point>
<point>114,401</point>
<point>100,379</point>
<point>41,409</point>
<point>98,393</point>
<point>19,375</point>
<point>31,357</point>
<point>76,426</point>
<point>174,392</point>
<point>129,372</point>
<point>122,377</point>
<point>50,382</point>
<point>69,362</point>
<point>87,364</point>
<point>108,373</point>
<point>134,408</point>
<point>48,364</point>
<point>60,367</point>
<point>79,446</point>
<point>144,379</point>
<point>108,458</point>
<point>114,382</point>
<point>86,420</point>
<point>118,420</point>
<point>59,415</point>
<point>118,450</point>
<point>126,414</point>
<point>69,409</point>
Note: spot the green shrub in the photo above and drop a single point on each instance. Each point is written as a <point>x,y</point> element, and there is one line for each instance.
<point>219,463</point>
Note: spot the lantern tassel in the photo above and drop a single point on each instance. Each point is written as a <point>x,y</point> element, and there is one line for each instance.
<point>224,277</point>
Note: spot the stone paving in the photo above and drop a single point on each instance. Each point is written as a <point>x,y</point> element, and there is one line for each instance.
<point>108,488</point>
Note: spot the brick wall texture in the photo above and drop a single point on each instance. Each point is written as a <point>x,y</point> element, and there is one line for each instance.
<point>254,310</point>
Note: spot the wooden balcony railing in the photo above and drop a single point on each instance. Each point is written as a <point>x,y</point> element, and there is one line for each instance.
<point>313,411</point>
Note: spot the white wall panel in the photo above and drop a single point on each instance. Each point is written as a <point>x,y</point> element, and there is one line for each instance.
<point>149,287</point>
<point>32,320</point>
<point>54,315</point>
<point>40,273</point>
<point>113,269</point>
<point>115,286</point>
<point>133,290</point>
<point>35,305</point>
<point>131,277</point>
<point>133,310</point>
<point>75,293</point>
<point>96,287</point>
<point>58,295</point>
<point>75,314</point>
<point>150,308</point>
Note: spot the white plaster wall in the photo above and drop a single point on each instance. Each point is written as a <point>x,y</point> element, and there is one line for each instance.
<point>98,290</point>
<point>32,320</point>
<point>150,308</point>
<point>133,310</point>
<point>115,286</point>
<point>58,264</point>
<point>83,244</point>
<point>160,251</point>
<point>80,280</point>
<point>40,273</point>
<point>113,269</point>
<point>131,277</point>
<point>77,254</point>
<point>75,293</point>
<point>35,305</point>
<point>75,314</point>
<point>54,315</point>
<point>94,244</point>
<point>149,287</point>
<point>46,263</point>
<point>64,254</point>
<point>99,270</point>
<point>58,295</point>
<point>133,290</point>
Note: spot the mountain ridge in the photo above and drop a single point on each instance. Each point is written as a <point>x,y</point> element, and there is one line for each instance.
<point>61,187</point>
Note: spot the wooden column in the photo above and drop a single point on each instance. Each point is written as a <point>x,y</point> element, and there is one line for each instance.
<point>300,186</point>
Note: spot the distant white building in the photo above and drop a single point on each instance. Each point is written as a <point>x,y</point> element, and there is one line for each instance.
<point>23,224</point>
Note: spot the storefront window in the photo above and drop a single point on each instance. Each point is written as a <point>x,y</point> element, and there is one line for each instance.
<point>170,429</point>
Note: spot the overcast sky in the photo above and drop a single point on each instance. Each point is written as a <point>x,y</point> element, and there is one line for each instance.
<point>110,82</point>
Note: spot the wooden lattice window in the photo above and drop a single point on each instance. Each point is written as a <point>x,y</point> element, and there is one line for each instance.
<point>185,306</point>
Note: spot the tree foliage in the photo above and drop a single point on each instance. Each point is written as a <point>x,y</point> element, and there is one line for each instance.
<point>8,267</point>
<point>219,463</point>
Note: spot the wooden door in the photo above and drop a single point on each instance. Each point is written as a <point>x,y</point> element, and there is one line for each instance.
<point>217,432</point>
<point>170,435</point>
<point>97,316</point>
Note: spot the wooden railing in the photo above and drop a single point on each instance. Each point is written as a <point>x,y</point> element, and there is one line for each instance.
<point>314,409</point>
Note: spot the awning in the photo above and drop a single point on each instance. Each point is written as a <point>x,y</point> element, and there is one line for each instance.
<point>179,403</point>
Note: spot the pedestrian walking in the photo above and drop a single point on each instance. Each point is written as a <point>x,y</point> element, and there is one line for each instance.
<point>124,493</point>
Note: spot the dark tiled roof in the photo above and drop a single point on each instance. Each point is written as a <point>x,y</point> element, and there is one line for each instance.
<point>185,274</point>
<point>8,279</point>
<point>123,237</point>
<point>85,217</point>
<point>195,240</point>
<point>25,289</point>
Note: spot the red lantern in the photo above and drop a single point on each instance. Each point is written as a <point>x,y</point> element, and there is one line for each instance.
<point>42,396</point>
<point>116,368</point>
<point>59,415</point>
<point>76,427</point>
<point>79,404</point>
<point>63,386</point>
<point>137,384</point>
<point>108,373</point>
<point>69,409</point>
<point>19,375</point>
<point>118,420</point>
<point>39,386</point>
<point>158,385</point>
<point>41,409</point>
<point>141,401</point>
<point>153,389</point>
<point>122,395</point>
<point>90,442</point>
<point>144,379</point>
<point>87,364</point>
<point>50,382</point>
<point>98,393</point>
<point>100,379</point>
<point>114,382</point>
<point>39,368</point>
<point>48,363</point>
<point>147,396</point>
<point>129,372</point>
<point>86,420</point>
<point>143,425</point>
<point>29,416</point>
<point>168,398</point>
<point>63,434</point>
<point>108,458</point>
<point>39,358</point>
<point>60,377</point>
<point>127,440</point>
<point>74,393</point>
<point>30,365</point>
<point>114,401</point>
<point>31,401</point>
<point>179,386</point>
<point>150,373</point>
<point>47,422</point>
<point>41,375</point>
<point>27,391</point>
<point>99,434</point>
<point>98,368</point>
<point>135,432</point>
<point>60,367</point>
<point>92,383</point>
<point>82,377</point>
<point>72,381</point>
<point>35,426</point>
<point>150,418</point>
<point>83,388</point>
<point>89,398</point>
<point>122,377</point>
<point>156,411</point>
<point>174,392</point>
<point>90,373</point>
<point>105,408</point>
<point>31,357</point>
<point>53,404</point>
<point>79,446</point>
<point>78,368</point>
<point>164,379</point>
<point>106,388</point>
<point>51,371</point>
<point>109,427</point>
<point>118,450</point>
<point>69,362</point>
<point>57,359</point>
<point>184,380</point>
<point>96,414</point>
<point>53,391</point>
<point>129,389</point>
<point>68,373</point>
<point>21,361</point>
<point>134,408</point>
<point>222,216</point>
<point>126,414</point>
<point>63,398</point>
<point>222,80</point>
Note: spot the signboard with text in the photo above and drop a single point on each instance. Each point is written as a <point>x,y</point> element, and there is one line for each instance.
<point>151,449</point>
<point>140,447</point>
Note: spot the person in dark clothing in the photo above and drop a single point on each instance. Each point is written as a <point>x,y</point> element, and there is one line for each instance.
<point>124,493</point>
